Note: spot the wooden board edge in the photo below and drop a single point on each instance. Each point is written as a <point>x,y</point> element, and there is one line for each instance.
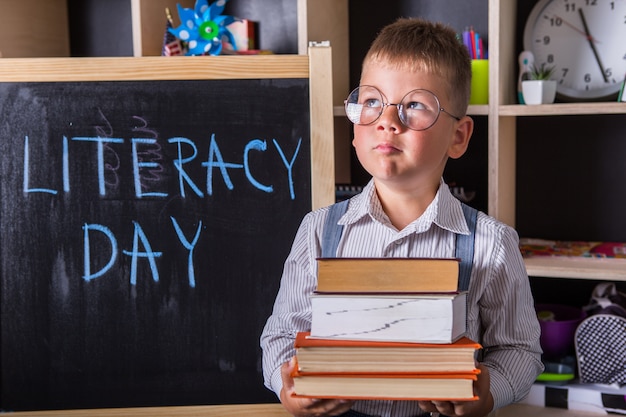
<point>153,68</point>
<point>322,127</point>
<point>258,410</point>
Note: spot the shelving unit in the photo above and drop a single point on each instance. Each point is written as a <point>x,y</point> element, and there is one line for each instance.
<point>503,115</point>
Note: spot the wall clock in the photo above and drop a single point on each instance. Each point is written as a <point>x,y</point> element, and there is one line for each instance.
<point>585,40</point>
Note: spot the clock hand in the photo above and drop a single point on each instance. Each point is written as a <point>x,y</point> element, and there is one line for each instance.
<point>592,44</point>
<point>590,38</point>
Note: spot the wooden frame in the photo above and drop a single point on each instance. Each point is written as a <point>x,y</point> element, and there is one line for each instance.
<point>316,66</point>
<point>257,410</point>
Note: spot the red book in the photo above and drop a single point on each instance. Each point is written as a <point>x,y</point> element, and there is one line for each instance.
<point>352,356</point>
<point>449,387</point>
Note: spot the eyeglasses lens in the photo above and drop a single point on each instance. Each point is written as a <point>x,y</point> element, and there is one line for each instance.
<point>418,110</point>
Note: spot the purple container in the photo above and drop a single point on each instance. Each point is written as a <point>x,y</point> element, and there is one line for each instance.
<point>558,328</point>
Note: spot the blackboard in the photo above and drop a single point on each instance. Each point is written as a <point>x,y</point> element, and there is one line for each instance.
<point>143,228</point>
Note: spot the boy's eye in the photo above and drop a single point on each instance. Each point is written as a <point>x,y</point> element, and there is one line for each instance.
<point>415,105</point>
<point>371,102</point>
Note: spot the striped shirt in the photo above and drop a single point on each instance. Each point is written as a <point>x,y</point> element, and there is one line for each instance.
<point>501,315</point>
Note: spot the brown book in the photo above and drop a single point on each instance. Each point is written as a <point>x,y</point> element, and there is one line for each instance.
<point>387,274</point>
<point>351,356</point>
<point>448,387</point>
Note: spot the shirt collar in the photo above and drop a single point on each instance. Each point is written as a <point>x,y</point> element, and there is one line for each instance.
<point>450,214</point>
<point>445,210</point>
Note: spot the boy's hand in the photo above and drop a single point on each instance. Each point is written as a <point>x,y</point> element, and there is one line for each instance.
<point>306,407</point>
<point>478,408</point>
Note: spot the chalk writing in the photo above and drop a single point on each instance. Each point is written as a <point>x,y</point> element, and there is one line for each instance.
<point>149,166</point>
<point>110,158</point>
<point>185,180</point>
<point>139,236</point>
<point>153,168</point>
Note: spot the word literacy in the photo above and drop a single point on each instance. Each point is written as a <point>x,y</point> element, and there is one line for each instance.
<point>214,161</point>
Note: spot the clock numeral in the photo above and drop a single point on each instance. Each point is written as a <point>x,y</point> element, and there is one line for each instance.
<point>570,7</point>
<point>556,21</point>
<point>608,72</point>
<point>591,2</point>
<point>546,40</point>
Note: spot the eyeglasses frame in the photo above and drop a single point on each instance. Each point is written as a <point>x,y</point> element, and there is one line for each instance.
<point>388,104</point>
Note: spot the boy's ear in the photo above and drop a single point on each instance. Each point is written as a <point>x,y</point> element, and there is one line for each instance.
<point>461,139</point>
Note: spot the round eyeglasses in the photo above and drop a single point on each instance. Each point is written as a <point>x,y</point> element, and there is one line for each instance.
<point>418,110</point>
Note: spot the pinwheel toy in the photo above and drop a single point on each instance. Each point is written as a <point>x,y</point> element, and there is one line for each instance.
<point>203,27</point>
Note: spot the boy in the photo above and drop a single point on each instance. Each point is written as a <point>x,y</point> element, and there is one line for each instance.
<point>409,118</point>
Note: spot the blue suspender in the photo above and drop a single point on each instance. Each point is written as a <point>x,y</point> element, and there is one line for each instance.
<point>464,243</point>
<point>465,247</point>
<point>332,230</point>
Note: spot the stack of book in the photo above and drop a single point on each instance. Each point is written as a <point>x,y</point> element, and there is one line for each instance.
<point>388,328</point>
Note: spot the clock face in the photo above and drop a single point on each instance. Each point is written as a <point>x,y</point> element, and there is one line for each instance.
<point>584,40</point>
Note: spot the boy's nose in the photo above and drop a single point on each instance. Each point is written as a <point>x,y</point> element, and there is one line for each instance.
<point>390,116</point>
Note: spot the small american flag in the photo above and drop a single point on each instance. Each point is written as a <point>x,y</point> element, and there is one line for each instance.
<point>172,49</point>
<point>171,44</point>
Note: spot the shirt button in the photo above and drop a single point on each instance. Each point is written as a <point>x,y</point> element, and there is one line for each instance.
<point>399,242</point>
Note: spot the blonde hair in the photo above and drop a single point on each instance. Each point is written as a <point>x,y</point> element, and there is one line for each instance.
<point>420,45</point>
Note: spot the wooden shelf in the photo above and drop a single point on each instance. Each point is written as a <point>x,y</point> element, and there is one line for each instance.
<point>562,109</point>
<point>478,110</point>
<point>581,268</point>
<point>523,410</point>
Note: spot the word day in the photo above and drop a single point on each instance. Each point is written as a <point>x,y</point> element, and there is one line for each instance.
<point>143,166</point>
<point>139,236</point>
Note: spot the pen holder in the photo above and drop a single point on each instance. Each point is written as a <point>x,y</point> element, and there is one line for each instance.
<point>480,82</point>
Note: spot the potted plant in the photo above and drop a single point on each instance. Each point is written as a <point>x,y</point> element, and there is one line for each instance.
<point>539,89</point>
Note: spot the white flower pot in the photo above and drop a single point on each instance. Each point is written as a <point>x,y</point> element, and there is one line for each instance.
<point>539,91</point>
